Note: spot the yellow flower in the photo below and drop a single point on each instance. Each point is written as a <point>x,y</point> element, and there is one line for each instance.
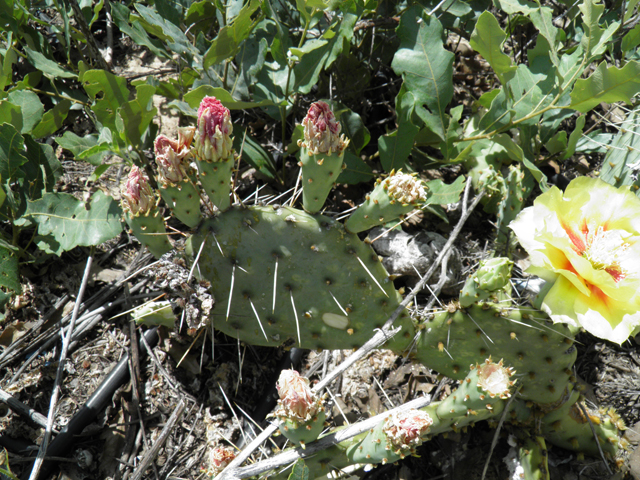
<point>586,242</point>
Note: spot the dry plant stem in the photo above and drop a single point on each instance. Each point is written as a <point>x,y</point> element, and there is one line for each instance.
<point>377,340</point>
<point>157,444</point>
<point>311,449</point>
<point>66,340</point>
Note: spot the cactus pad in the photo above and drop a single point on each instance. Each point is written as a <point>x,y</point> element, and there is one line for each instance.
<point>280,275</point>
<point>150,230</point>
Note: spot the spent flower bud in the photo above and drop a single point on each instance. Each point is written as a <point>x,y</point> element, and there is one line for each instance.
<point>297,401</point>
<point>219,458</point>
<point>213,141</point>
<point>322,131</point>
<point>405,430</point>
<point>404,188</point>
<point>137,195</point>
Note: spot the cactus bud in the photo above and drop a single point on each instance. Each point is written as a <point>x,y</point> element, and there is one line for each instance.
<point>213,140</point>
<point>299,408</point>
<point>322,131</point>
<point>214,151</point>
<point>139,203</point>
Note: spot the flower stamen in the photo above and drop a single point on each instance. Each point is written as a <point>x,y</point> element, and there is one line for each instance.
<point>605,250</point>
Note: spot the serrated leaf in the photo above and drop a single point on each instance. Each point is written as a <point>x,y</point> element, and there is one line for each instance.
<point>487,39</point>
<point>11,152</point>
<point>31,106</point>
<point>426,67</point>
<point>9,277</point>
<point>542,19</point>
<point>228,40</point>
<point>108,92</point>
<point>595,39</point>
<point>299,471</point>
<point>72,222</point>
<point>606,85</point>
<point>50,68</point>
<point>440,193</point>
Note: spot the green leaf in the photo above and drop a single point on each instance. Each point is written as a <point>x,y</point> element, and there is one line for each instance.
<point>227,42</point>
<point>353,127</point>
<point>595,39</point>
<point>253,153</point>
<point>299,471</point>
<point>50,68</point>
<point>557,143</point>
<point>77,145</point>
<point>42,170</point>
<point>487,39</point>
<point>515,153</point>
<point>624,151</point>
<point>515,6</point>
<point>499,114</point>
<point>313,56</point>
<point>195,96</point>
<point>137,114</point>
<point>606,85</point>
<point>72,222</point>
<point>426,67</point>
<point>542,19</point>
<point>355,171</point>
<point>630,10</point>
<point>574,138</point>
<point>11,114</point>
<point>31,106</point>
<point>108,92</point>
<point>137,33</point>
<point>532,91</point>
<point>11,152</point>
<point>631,40</point>
<point>9,277</point>
<point>440,193</point>
<point>395,147</point>
<point>52,119</point>
<point>165,30</point>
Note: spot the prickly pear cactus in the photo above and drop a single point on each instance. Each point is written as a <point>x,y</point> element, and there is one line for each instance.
<point>280,275</point>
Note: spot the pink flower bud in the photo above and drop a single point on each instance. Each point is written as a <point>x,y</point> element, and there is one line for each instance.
<point>172,156</point>
<point>219,458</point>
<point>137,195</point>
<point>297,401</point>
<point>213,140</point>
<point>322,131</point>
<point>405,429</point>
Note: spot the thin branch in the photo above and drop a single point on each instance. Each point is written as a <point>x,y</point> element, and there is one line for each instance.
<point>66,340</point>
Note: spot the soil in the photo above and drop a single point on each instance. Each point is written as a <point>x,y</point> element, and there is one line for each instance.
<point>192,395</point>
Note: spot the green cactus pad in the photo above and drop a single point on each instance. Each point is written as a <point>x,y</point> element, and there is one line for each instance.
<point>373,448</point>
<point>184,202</point>
<point>511,203</point>
<point>567,427</point>
<point>301,433</point>
<point>319,173</point>
<point>541,353</point>
<point>150,231</point>
<point>215,178</point>
<point>331,291</point>
<point>533,457</point>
